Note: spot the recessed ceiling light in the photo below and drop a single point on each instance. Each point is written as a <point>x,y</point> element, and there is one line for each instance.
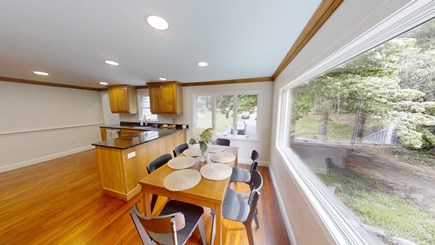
<point>103,83</point>
<point>157,22</point>
<point>111,62</point>
<point>41,73</point>
<point>202,63</point>
<point>162,78</point>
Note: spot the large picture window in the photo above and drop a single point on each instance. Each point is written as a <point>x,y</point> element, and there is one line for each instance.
<point>366,129</point>
<point>230,115</point>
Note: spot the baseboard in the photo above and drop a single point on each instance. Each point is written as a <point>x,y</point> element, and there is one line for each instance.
<point>285,216</point>
<point>249,161</point>
<point>17,165</point>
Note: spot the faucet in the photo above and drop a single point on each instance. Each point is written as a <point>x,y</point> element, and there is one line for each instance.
<point>144,119</point>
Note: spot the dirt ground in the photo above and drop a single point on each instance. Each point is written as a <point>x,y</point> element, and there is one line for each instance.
<point>415,183</point>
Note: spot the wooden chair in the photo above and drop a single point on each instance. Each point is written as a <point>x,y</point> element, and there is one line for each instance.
<point>221,141</point>
<point>174,225</point>
<point>243,175</point>
<point>180,148</point>
<point>155,164</point>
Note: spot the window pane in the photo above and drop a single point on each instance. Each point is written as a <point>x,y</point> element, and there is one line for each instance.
<point>366,129</point>
<point>224,114</point>
<point>203,115</point>
<point>146,110</point>
<point>247,116</point>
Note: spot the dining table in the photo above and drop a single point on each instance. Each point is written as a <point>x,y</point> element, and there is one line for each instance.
<point>207,193</point>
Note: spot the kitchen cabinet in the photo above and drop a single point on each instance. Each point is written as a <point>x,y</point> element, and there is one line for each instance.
<point>166,97</point>
<point>122,162</point>
<point>123,99</point>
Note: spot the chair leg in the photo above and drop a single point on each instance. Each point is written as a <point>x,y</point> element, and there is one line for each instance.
<point>256,219</point>
<point>248,227</point>
<point>202,231</point>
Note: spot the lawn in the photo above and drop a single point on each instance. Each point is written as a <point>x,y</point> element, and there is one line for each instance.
<point>376,207</point>
<point>309,127</point>
<point>223,123</point>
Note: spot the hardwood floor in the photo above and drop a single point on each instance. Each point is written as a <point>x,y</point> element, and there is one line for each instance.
<point>60,202</point>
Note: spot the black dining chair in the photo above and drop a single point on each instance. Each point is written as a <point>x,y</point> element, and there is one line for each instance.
<point>239,207</point>
<point>221,141</point>
<point>155,164</point>
<point>174,225</point>
<point>243,175</point>
<point>179,149</point>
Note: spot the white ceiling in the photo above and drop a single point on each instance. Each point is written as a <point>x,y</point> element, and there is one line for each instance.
<point>71,39</point>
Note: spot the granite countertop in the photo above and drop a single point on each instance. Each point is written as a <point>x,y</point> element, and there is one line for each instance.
<point>137,139</point>
<point>119,126</point>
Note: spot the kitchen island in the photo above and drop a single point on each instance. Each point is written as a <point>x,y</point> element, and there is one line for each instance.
<point>122,161</point>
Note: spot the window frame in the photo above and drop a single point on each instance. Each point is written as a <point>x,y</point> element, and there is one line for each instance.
<point>339,220</point>
<point>141,107</point>
<point>235,95</point>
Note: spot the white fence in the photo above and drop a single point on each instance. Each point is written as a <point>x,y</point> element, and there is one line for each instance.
<point>382,137</point>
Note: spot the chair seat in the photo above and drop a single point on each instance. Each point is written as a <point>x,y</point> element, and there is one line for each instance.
<point>240,175</point>
<point>192,215</point>
<point>235,206</point>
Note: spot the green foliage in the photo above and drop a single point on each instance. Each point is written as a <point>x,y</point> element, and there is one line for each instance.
<point>247,102</point>
<point>225,104</point>
<point>394,82</point>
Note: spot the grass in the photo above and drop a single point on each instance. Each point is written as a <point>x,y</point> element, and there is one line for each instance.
<point>380,209</point>
<point>223,123</point>
<point>414,157</point>
<point>309,127</point>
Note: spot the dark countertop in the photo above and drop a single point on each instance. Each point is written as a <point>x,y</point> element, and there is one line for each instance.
<point>120,126</point>
<point>137,139</point>
<point>150,126</point>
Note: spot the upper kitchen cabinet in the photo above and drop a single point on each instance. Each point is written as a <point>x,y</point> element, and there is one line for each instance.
<point>166,97</point>
<point>123,99</point>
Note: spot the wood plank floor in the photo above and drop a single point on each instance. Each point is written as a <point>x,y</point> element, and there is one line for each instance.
<point>60,202</point>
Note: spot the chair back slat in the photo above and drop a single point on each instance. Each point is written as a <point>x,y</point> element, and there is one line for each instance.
<point>256,181</point>
<point>222,141</point>
<point>179,149</point>
<point>165,224</point>
<point>255,156</point>
<point>158,162</point>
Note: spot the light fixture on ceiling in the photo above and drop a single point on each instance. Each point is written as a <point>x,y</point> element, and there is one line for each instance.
<point>104,83</point>
<point>162,78</point>
<point>41,73</point>
<point>202,63</point>
<point>157,22</point>
<point>111,62</point>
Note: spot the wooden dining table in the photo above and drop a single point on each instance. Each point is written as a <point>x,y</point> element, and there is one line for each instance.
<point>207,193</point>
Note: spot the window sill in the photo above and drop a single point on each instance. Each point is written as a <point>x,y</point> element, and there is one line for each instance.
<point>238,138</point>
<point>342,224</point>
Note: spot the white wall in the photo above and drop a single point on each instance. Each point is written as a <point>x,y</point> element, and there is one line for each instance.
<point>351,20</point>
<point>262,144</point>
<point>39,123</point>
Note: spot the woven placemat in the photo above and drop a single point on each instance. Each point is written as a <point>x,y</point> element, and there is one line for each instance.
<point>181,180</point>
<point>215,148</point>
<point>181,162</point>
<point>192,152</point>
<point>216,171</point>
<point>223,157</point>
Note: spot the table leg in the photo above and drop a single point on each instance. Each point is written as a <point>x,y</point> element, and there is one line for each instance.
<point>146,198</point>
<point>218,220</point>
